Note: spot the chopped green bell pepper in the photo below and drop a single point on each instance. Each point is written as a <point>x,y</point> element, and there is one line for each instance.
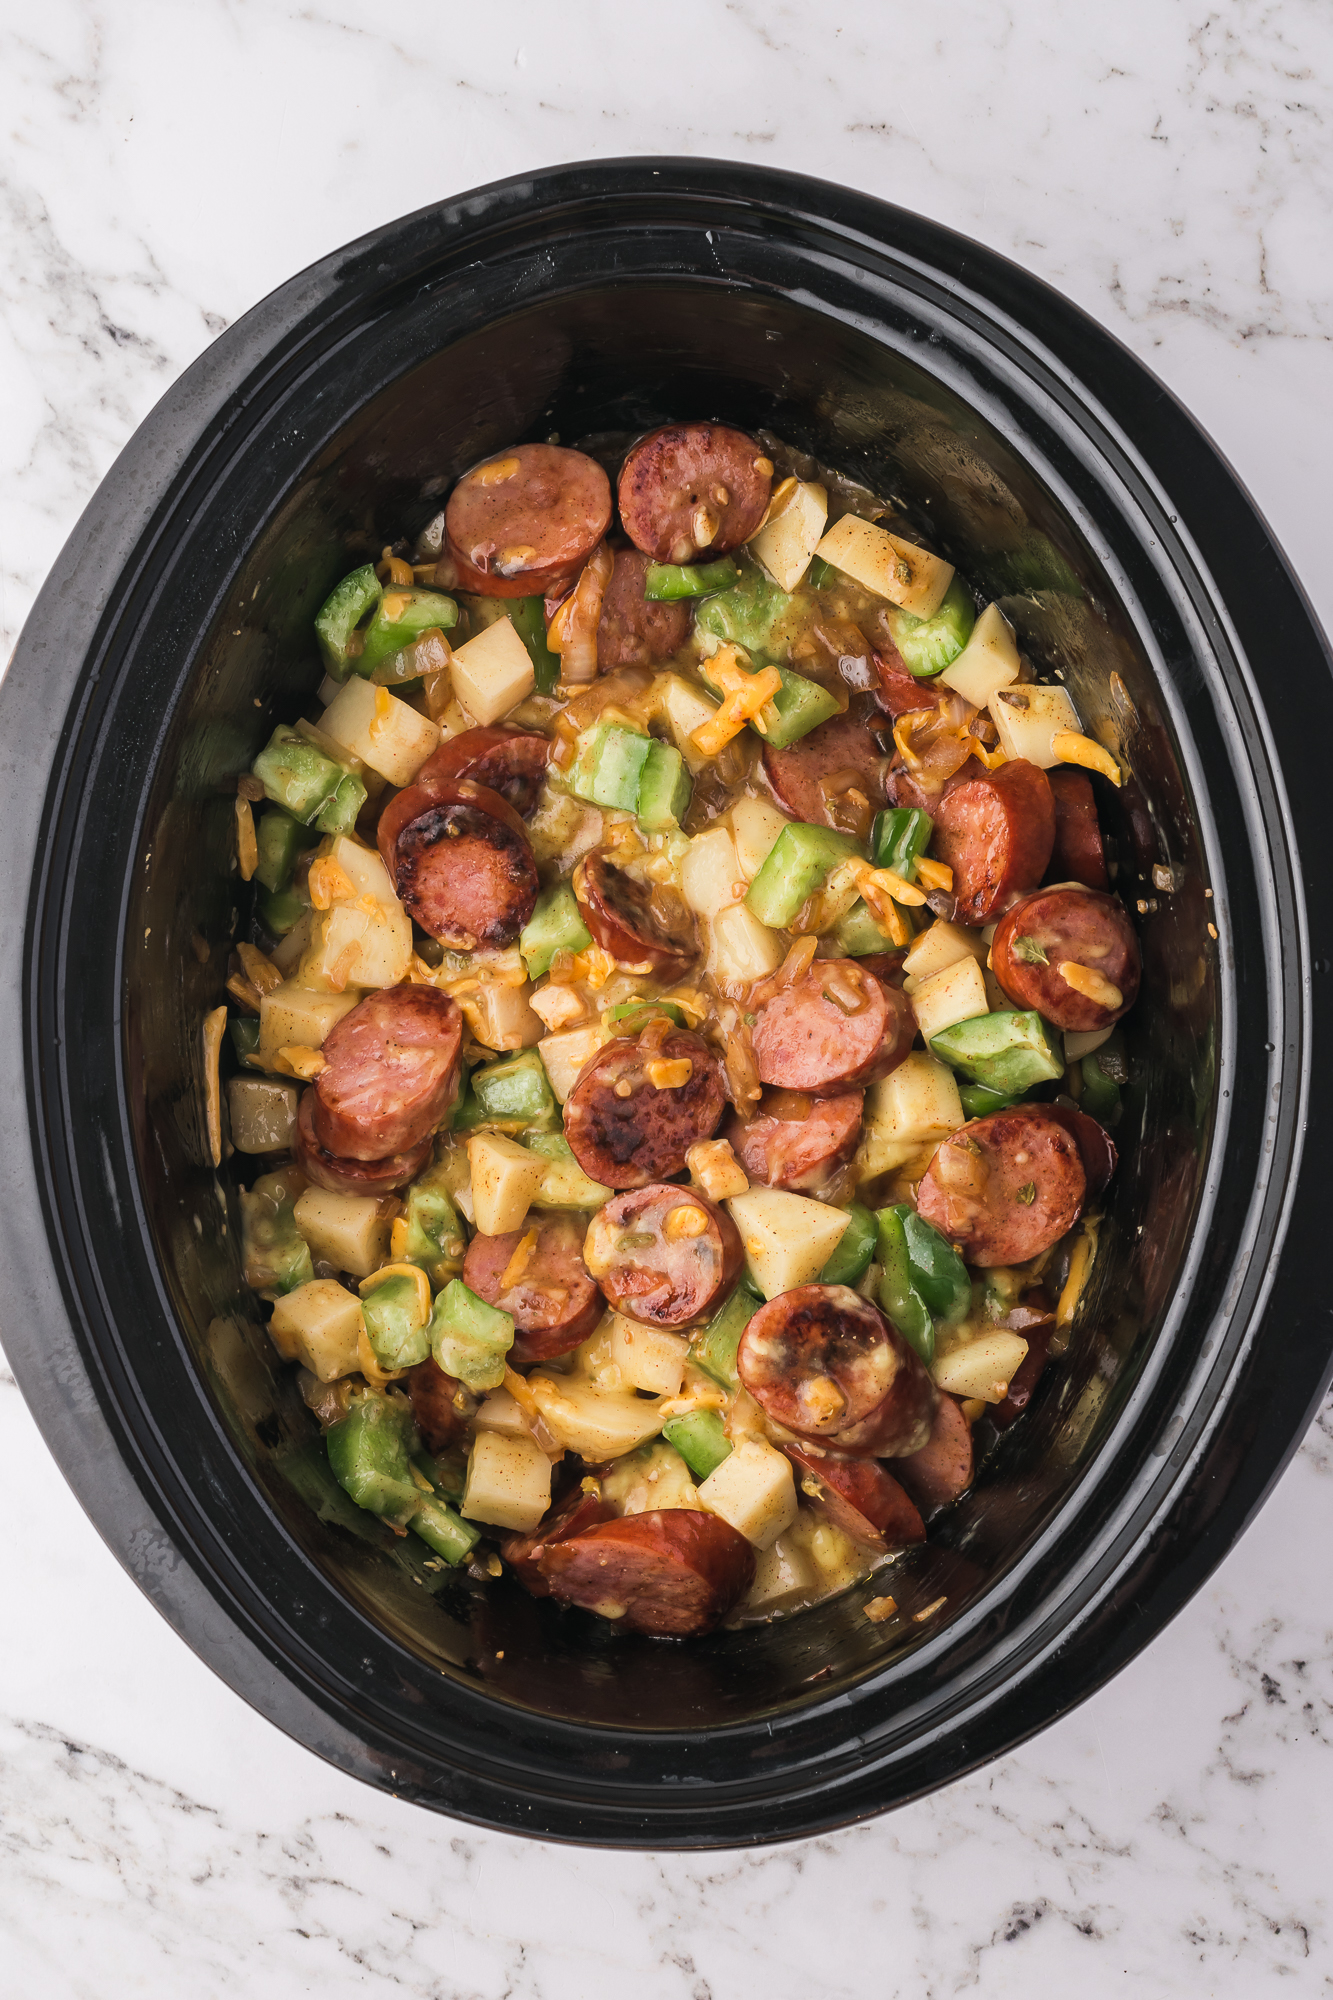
<point>714,1350</point>
<point>799,706</point>
<point>821,575</point>
<point>469,1338</point>
<point>929,645</point>
<point>395,1321</point>
<point>370,1452</point>
<point>512,1094</point>
<point>701,1440</point>
<point>978,1100</point>
<point>1100,1096</point>
<point>446,1532</point>
<point>279,838</point>
<point>275,1255</point>
<point>556,924</point>
<point>800,861</point>
<point>665,582</point>
<point>664,789</point>
<point>401,616</point>
<point>295,775</point>
<point>631,1015</point>
<point>435,1238</point>
<point>860,932</point>
<point>899,837</point>
<point>608,765</point>
<point>528,616</point>
<point>244,1032</point>
<point>565,1184</point>
<point>747,615</point>
<point>340,813</point>
<point>938,1272</point>
<point>341,613</point>
<point>898,1295</point>
<point>281,913</point>
<point>1008,1051</point>
<point>856,1246</point>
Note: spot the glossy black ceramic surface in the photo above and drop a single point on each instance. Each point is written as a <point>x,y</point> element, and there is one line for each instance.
<point>172,635</point>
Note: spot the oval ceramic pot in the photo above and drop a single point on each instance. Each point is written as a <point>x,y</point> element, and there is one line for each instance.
<point>174,633</point>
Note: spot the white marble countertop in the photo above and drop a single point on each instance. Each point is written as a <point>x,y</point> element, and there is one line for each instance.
<point>1170,166</point>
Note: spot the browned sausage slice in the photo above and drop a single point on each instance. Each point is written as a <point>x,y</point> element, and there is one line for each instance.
<point>578,1511</point>
<point>825,1363</point>
<point>1095,1146</point>
<point>691,491</point>
<point>1005,1188</point>
<point>440,1404</point>
<point>995,831</point>
<point>1075,927</point>
<point>341,1176</point>
<point>624,1128</point>
<point>674,1573</point>
<point>859,1497</point>
<point>391,1073</point>
<point>942,1469</point>
<point>835,1028</point>
<point>899,691</point>
<point>814,778</point>
<point>1078,854</point>
<point>664,1255</point>
<point>648,928</point>
<point>796,1141</point>
<point>553,1302</point>
<point>463,867</point>
<point>1036,1326</point>
<point>526,520</point>
<point>511,762</point>
<point>634,632</point>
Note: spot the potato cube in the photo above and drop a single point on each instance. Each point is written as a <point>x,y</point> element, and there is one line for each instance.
<point>594,1422</point>
<point>508,1482</point>
<point>941,944</point>
<point>493,672</point>
<point>755,826</point>
<point>710,873</point>
<point>505,1177</point>
<point>364,943</point>
<point>364,870</point>
<point>788,1238</point>
<point>564,1055</point>
<point>982,1367</point>
<point>261,1114</point>
<point>917,1105</point>
<point>499,1412</point>
<point>501,1017</point>
<point>1079,1045</point>
<point>743,948</point>
<point>988,662</point>
<point>381,730</point>
<point>790,535</point>
<point>1028,717</point>
<point>907,575</point>
<point>684,708</point>
<point>648,1357</point>
<point>296,1016</point>
<point>754,1490</point>
<point>784,1571</point>
<point>319,1325</point>
<point>345,1230</point>
<point>956,994</point>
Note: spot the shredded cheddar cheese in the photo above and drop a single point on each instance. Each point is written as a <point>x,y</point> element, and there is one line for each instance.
<point>1092,985</point>
<point>934,874</point>
<point>520,1260</point>
<point>247,847</point>
<point>304,1063</point>
<point>744,695</point>
<point>328,884</point>
<point>495,472</point>
<point>1069,747</point>
<point>669,1074</point>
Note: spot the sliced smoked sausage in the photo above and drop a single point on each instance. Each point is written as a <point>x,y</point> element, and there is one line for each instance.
<point>462,866</point>
<point>526,520</point>
<point>651,929</point>
<point>899,691</point>
<point>675,1572</point>
<point>692,491</point>
<point>664,1255</point>
<point>1078,854</point>
<point>626,1129</point>
<point>825,1363</point>
<point>391,1072</point>
<point>632,631</point>
<point>341,1176</point>
<point>440,1404</point>
<point>942,1469</point>
<point>796,1141</point>
<point>835,1028</point>
<point>1096,1148</point>
<point>581,1509</point>
<point>1075,928</point>
<point>995,830</point>
<point>858,1496</point>
<point>553,1302</point>
<point>812,780</point>
<point>511,762</point>
<point>1006,1187</point>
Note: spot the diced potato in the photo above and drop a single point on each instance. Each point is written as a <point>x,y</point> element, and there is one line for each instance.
<point>381,730</point>
<point>982,1367</point>
<point>286,953</point>
<point>563,828</point>
<point>319,1325</point>
<point>505,1178</point>
<point>493,671</point>
<point>754,1490</point>
<point>988,662</point>
<point>684,708</point>
<point>362,943</point>
<point>596,1423</point>
<point>755,826</point>
<point>499,1412</point>
<point>956,994</point>
<point>261,1114</point>
<point>564,1055</point>
<point>1077,1046</point>
<point>788,1238</point>
<point>1028,717</point>
<point>345,1230</point>
<point>715,1169</point>
<point>564,1183</point>
<point>648,1357</point>
<point>917,1105</point>
<point>790,535</point>
<point>508,1482</point>
<point>501,1017</point>
<point>710,872</point>
<point>363,868</point>
<point>942,944</point>
<point>743,948</point>
<point>296,1016</point>
<point>784,1571</point>
<point>907,575</point>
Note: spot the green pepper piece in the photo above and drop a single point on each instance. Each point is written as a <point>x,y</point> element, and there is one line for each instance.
<point>528,617</point>
<point>295,775</point>
<point>244,1032</point>
<point>556,924</point>
<point>799,706</point>
<point>800,861</point>
<point>631,1015</point>
<point>415,612</point>
<point>341,613</point>
<point>860,932</point>
<point>821,575</point>
<point>714,1350</point>
<point>281,913</point>
<point>340,813</point>
<point>899,1297</point>
<point>1100,1096</point>
<point>564,1185</point>
<point>1008,1051</point>
<point>445,1531</point>
<point>395,1322</point>
<point>663,583</point>
<point>701,1440</point>
<point>899,837</point>
<point>608,765</point>
<point>274,1254</point>
<point>856,1246</point>
<point>446,1470</point>
<point>279,839</point>
<point>938,1272</point>
<point>369,1450</point>
<point>664,789</point>
<point>470,1339</point>
<point>978,1100</point>
<point>513,1094</point>
<point>435,1237</point>
<point>748,615</point>
<point>929,645</point>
